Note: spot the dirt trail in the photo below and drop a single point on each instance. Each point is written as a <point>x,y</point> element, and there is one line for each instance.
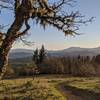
<point>68,93</point>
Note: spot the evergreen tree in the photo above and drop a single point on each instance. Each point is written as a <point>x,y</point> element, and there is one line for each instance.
<point>42,54</point>
<point>36,56</point>
<point>97,59</point>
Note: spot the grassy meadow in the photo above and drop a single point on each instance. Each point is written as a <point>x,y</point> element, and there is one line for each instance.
<point>29,89</point>
<point>46,87</point>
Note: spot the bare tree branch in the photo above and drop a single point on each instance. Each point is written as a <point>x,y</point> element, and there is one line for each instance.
<point>6,4</point>
<point>25,31</point>
<point>7,1</point>
<point>28,43</point>
<point>6,7</point>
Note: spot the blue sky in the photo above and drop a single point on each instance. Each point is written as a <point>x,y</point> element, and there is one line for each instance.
<point>54,39</point>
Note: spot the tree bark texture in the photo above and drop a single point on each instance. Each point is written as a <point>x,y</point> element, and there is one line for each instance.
<point>8,42</point>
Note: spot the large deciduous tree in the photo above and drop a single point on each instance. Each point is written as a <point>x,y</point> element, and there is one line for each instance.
<point>44,12</point>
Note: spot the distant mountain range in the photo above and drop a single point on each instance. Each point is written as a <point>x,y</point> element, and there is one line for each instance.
<point>72,51</point>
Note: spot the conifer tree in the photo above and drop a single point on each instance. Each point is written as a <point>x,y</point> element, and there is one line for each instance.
<point>36,56</point>
<point>42,54</point>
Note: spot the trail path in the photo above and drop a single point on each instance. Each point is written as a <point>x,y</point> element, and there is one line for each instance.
<point>69,93</point>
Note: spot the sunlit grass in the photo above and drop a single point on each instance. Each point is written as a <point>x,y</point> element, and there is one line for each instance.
<point>90,84</point>
<point>28,89</point>
<point>44,87</point>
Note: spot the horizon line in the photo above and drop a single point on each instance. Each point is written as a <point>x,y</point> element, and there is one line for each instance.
<point>59,49</point>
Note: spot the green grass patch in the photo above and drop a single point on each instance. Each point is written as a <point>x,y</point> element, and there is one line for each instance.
<point>28,89</point>
<point>90,84</point>
<point>45,87</point>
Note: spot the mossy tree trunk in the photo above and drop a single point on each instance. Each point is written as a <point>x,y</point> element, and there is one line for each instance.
<point>8,42</point>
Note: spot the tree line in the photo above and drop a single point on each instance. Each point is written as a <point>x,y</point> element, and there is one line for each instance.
<point>75,66</point>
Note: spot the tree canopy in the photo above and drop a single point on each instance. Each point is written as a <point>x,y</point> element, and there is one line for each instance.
<point>43,12</point>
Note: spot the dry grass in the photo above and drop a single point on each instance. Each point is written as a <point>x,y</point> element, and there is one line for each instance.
<point>28,89</point>
<point>44,87</point>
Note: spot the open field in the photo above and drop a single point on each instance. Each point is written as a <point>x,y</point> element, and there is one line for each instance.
<point>49,88</point>
<point>83,88</point>
<point>29,89</point>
